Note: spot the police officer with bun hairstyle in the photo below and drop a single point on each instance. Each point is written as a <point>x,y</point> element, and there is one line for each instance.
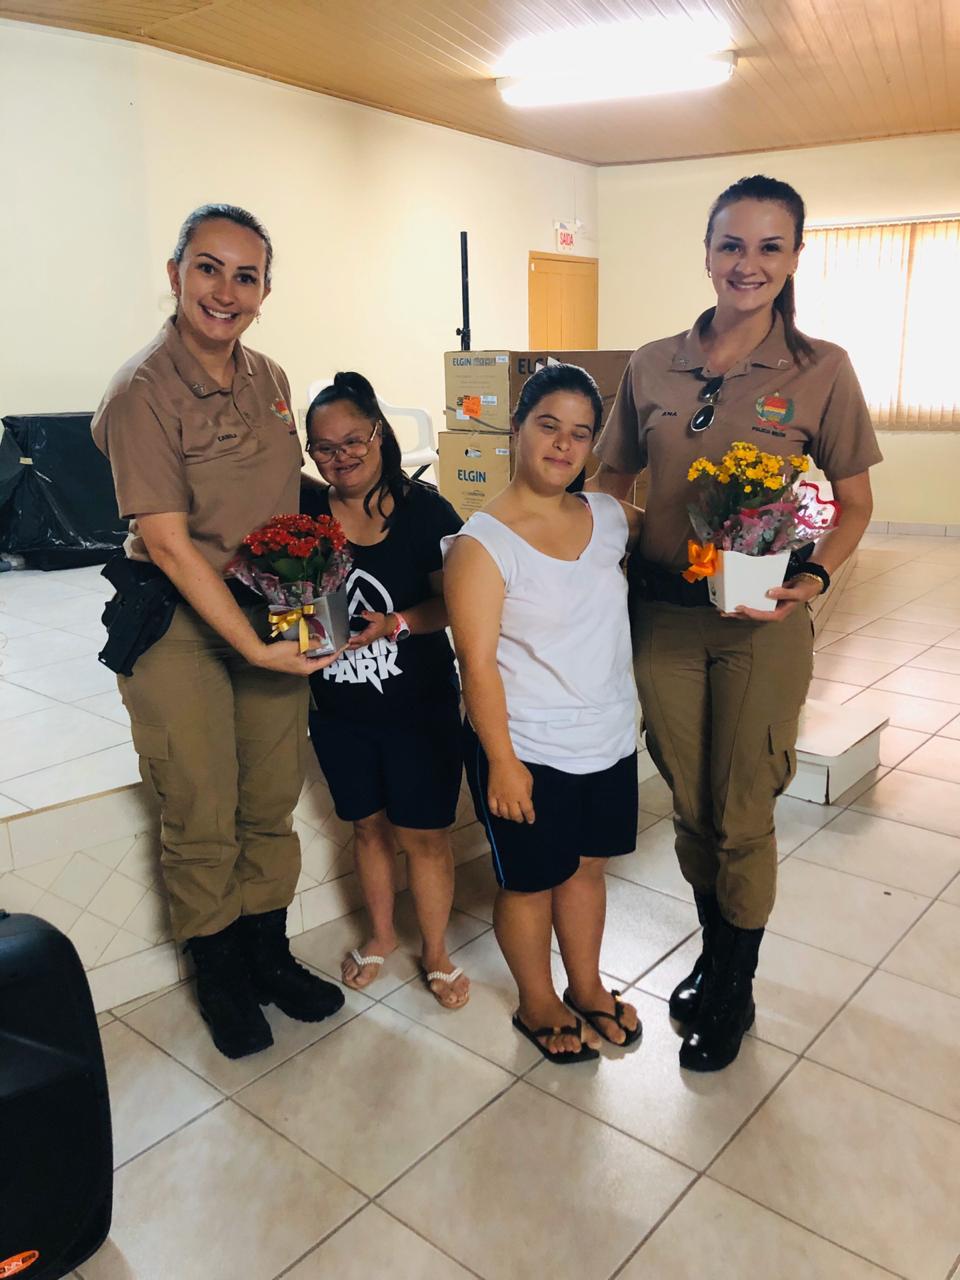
<point>204,449</point>
<point>721,695</point>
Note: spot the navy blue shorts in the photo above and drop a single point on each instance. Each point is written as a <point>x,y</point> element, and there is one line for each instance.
<point>578,815</point>
<point>408,764</point>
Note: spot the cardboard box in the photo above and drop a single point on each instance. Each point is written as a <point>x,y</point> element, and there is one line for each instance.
<point>474,466</point>
<point>836,747</point>
<point>482,386</point>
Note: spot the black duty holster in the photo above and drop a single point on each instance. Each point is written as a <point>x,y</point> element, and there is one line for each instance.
<point>139,614</point>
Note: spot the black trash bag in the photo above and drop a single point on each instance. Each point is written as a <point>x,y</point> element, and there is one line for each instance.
<point>57,503</point>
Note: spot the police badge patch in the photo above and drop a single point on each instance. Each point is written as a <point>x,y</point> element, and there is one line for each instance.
<point>773,413</point>
<point>282,410</point>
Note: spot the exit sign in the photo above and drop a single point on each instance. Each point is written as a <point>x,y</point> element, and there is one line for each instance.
<point>566,237</point>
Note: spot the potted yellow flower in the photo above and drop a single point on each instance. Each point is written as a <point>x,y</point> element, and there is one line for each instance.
<point>750,512</point>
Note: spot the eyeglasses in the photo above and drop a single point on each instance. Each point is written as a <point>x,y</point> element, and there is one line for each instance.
<point>350,448</point>
<point>702,420</point>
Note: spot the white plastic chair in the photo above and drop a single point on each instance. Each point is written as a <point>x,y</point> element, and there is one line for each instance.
<point>424,453</point>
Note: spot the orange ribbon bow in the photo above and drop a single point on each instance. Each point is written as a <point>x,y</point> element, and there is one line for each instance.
<point>703,561</point>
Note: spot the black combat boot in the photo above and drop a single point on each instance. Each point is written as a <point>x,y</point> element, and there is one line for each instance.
<point>685,1000</point>
<point>225,995</point>
<point>277,978</point>
<point>727,1009</point>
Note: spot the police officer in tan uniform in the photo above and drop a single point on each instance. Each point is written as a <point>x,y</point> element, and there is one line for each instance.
<point>204,449</point>
<point>721,695</point>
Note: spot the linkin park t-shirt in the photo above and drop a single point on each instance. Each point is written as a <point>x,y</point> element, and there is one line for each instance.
<point>389,577</point>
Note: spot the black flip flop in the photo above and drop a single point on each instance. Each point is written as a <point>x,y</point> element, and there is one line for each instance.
<point>583,1054</point>
<point>592,1016</point>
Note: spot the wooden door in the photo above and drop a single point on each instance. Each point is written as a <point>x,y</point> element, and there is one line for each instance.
<point>563,302</point>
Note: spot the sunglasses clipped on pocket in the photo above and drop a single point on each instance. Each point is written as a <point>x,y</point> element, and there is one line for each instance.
<point>702,420</point>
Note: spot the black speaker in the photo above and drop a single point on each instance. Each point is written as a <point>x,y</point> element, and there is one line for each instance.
<point>56,1146</point>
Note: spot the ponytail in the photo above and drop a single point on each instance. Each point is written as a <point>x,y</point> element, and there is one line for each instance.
<point>785,303</point>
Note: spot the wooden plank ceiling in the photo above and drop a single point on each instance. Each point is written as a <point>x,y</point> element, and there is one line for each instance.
<point>810,71</point>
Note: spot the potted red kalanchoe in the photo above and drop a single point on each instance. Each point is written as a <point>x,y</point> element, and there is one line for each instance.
<point>299,564</point>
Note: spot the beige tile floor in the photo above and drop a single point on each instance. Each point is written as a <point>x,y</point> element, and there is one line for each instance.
<point>405,1143</point>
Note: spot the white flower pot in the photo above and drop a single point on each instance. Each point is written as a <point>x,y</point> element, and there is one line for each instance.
<point>745,580</point>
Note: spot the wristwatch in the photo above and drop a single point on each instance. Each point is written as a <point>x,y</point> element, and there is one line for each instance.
<point>812,570</point>
<point>400,630</point>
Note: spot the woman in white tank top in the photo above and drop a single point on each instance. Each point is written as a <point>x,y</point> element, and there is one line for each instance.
<point>537,603</point>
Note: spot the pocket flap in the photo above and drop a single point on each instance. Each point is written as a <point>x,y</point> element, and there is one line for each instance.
<point>783,735</point>
<point>151,740</point>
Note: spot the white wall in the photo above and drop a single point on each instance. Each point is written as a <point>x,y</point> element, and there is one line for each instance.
<point>112,144</point>
<point>652,279</point>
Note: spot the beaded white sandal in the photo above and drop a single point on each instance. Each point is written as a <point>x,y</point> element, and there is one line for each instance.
<point>437,975</point>
<point>361,961</point>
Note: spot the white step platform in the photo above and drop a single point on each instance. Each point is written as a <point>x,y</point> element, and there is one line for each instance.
<point>836,747</point>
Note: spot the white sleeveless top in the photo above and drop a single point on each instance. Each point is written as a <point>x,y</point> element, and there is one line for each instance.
<point>564,652</point>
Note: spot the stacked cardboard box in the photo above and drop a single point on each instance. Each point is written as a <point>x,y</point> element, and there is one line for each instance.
<point>481,391</point>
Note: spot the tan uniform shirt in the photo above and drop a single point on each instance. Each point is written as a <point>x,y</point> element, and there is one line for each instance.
<point>768,399</point>
<point>229,457</point>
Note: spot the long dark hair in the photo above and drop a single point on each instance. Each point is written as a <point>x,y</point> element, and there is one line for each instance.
<point>357,391</point>
<point>558,377</point>
<point>759,187</point>
<point>232,213</point>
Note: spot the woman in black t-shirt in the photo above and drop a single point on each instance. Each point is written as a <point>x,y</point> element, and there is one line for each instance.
<point>387,725</point>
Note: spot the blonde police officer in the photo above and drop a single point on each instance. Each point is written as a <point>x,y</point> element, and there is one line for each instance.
<point>721,695</point>
<point>204,448</point>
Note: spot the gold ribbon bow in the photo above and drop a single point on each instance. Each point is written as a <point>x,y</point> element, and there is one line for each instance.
<point>703,561</point>
<point>280,622</point>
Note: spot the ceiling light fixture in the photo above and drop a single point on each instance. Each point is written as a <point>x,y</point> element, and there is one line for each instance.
<point>623,60</point>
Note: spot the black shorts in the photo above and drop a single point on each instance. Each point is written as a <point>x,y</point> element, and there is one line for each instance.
<point>578,815</point>
<point>409,763</point>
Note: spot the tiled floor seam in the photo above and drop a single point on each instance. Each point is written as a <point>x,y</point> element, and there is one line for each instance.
<point>214,1106</point>
<point>666,955</point>
<point>148,998</point>
<point>235,1098</point>
<point>285,1137</point>
<point>323,1240</point>
<point>808,1229</point>
<point>879,1088</point>
<point>874,970</point>
<point>660,1151</point>
<point>432,1243</point>
<point>852,875</point>
<point>839,954</point>
<point>802,1057</point>
<point>705,1175</point>
<point>446,1138</point>
<point>753,1033</point>
<point>656,1226</point>
<point>86,755</point>
<point>229,1097</point>
<point>796,1222</point>
<point>167,1054</point>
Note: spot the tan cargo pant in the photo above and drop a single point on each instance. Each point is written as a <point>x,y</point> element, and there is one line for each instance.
<point>222,745</point>
<point>720,700</point>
